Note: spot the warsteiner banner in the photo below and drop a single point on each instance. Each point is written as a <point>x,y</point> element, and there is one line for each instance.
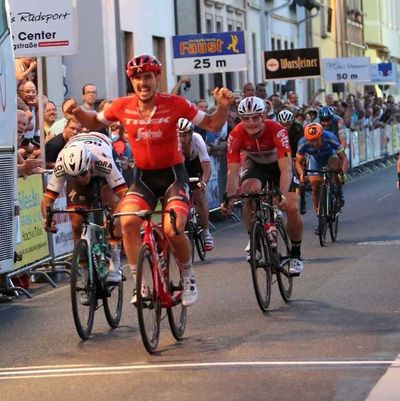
<point>293,63</point>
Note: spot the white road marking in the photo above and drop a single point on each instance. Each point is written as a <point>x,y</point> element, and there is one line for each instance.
<point>77,370</point>
<point>387,242</point>
<point>384,197</point>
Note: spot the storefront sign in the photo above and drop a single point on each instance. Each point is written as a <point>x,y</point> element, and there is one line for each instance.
<point>294,63</point>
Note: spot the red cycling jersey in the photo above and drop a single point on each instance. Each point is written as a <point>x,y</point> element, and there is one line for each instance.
<point>155,143</point>
<point>271,146</point>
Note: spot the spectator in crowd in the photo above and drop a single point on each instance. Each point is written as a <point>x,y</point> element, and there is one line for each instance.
<point>27,163</point>
<point>329,99</point>
<point>59,125</point>
<point>367,120</point>
<point>120,144</point>
<point>276,104</point>
<point>248,90</point>
<point>27,101</point>
<point>311,115</point>
<point>49,118</point>
<point>25,68</point>
<point>54,145</point>
<point>183,80</point>
<point>261,91</point>
<point>293,102</point>
<point>202,105</point>
<point>89,96</point>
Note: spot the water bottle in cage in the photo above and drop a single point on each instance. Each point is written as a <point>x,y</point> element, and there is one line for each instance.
<point>271,234</point>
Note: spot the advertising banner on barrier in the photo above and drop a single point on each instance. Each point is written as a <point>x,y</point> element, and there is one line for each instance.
<point>362,146</point>
<point>396,137</point>
<point>34,245</point>
<point>369,139</point>
<point>62,241</point>
<point>355,158</point>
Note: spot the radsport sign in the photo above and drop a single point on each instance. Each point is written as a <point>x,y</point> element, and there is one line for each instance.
<point>209,53</point>
<point>43,27</point>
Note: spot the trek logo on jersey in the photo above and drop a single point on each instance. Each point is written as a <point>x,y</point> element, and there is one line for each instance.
<point>142,133</point>
<point>157,121</point>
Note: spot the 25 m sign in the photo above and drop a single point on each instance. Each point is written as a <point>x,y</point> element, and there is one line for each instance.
<point>209,53</point>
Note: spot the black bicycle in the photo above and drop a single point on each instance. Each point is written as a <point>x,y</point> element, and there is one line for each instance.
<point>329,206</point>
<point>89,268</point>
<point>269,247</point>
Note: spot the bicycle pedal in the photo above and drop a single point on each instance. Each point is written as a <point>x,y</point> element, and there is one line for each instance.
<point>294,274</point>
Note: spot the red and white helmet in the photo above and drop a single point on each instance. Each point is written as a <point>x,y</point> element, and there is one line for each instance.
<point>251,105</point>
<point>142,63</point>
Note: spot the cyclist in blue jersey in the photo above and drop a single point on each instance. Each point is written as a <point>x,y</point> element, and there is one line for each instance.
<point>323,149</point>
<point>332,122</point>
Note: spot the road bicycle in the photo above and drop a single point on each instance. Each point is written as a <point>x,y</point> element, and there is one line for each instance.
<point>329,206</point>
<point>89,268</point>
<point>158,281</point>
<point>269,247</point>
<point>194,228</point>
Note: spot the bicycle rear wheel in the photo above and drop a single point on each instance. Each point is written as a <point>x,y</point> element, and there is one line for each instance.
<point>285,280</point>
<point>322,216</point>
<point>177,313</point>
<point>112,303</point>
<point>260,266</point>
<point>83,290</point>
<point>148,304</point>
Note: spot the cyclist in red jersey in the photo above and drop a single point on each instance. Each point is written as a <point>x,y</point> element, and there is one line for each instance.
<point>268,157</point>
<point>150,117</point>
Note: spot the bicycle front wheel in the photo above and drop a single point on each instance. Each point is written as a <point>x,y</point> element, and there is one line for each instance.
<point>334,211</point>
<point>112,302</point>
<point>199,241</point>
<point>177,313</point>
<point>285,280</point>
<point>148,303</point>
<point>83,290</point>
<point>322,216</point>
<point>260,262</point>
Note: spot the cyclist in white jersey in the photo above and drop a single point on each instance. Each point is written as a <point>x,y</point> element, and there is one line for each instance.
<point>85,158</point>
<point>197,163</point>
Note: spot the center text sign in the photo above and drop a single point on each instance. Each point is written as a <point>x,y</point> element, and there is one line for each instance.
<point>209,53</point>
<point>43,27</point>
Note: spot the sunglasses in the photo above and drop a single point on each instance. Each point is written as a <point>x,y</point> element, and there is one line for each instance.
<point>254,117</point>
<point>84,173</point>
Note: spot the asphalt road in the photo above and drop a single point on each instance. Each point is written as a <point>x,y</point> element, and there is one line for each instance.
<point>337,339</point>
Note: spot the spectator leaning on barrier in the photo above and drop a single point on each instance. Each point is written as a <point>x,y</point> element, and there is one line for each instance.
<point>54,145</point>
<point>49,118</point>
<point>89,96</point>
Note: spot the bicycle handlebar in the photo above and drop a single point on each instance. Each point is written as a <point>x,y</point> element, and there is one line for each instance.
<point>146,215</point>
<point>252,195</point>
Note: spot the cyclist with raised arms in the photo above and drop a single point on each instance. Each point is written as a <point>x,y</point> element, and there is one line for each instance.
<point>324,149</point>
<point>197,163</point>
<point>85,158</point>
<point>268,157</point>
<point>150,118</point>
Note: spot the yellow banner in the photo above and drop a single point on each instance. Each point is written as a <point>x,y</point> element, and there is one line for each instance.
<point>34,244</point>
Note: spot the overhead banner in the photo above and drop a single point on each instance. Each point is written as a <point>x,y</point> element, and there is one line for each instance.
<point>347,69</point>
<point>384,73</point>
<point>293,63</point>
<point>43,27</point>
<point>209,53</point>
